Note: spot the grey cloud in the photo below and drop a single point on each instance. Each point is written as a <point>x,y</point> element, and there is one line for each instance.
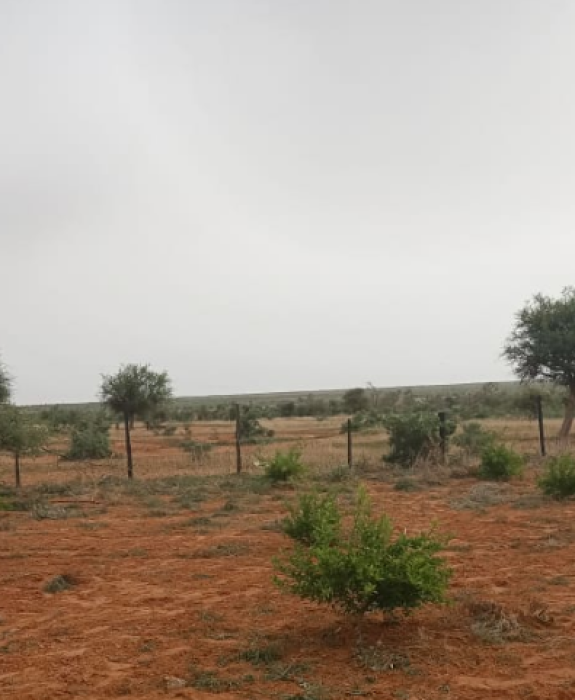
<point>262,196</point>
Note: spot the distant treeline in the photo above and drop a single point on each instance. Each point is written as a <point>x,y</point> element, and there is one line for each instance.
<point>477,402</point>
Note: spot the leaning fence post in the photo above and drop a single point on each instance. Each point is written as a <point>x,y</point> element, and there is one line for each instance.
<point>443,435</point>
<point>349,445</point>
<point>539,403</point>
<point>238,441</point>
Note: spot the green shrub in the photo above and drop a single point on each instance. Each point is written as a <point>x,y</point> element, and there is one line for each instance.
<point>4,505</point>
<point>413,436</point>
<point>59,583</point>
<point>474,439</point>
<point>500,463</point>
<point>284,466</point>
<point>90,440</point>
<point>314,518</point>
<point>364,568</point>
<point>559,478</point>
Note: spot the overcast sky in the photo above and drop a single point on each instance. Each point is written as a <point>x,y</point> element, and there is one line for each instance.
<point>263,195</point>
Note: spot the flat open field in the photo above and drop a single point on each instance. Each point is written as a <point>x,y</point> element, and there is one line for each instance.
<point>170,590</point>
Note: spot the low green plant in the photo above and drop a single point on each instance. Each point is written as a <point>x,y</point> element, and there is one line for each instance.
<point>474,439</point>
<point>4,505</point>
<point>364,568</point>
<point>262,654</point>
<point>60,583</point>
<point>284,466</point>
<point>558,480</point>
<point>313,519</point>
<point>500,463</point>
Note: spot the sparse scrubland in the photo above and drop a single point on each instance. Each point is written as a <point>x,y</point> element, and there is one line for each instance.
<point>439,564</point>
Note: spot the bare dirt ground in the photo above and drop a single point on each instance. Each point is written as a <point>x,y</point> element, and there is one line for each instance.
<point>169,588</point>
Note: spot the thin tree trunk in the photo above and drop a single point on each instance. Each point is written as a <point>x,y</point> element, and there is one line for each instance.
<point>569,415</point>
<point>128,446</point>
<point>132,422</point>
<point>17,469</point>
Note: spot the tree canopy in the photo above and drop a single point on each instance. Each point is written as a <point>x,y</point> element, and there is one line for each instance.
<point>19,435</point>
<point>5,384</point>
<point>135,390</point>
<point>355,400</point>
<point>542,345</point>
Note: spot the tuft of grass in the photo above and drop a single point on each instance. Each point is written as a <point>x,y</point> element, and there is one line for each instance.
<point>493,624</point>
<point>91,525</point>
<point>378,658</point>
<point>406,484</point>
<point>482,495</point>
<point>210,617</point>
<point>59,584</point>
<point>45,511</point>
<point>310,691</point>
<point>286,672</point>
<point>210,681</point>
<point>340,475</point>
<point>224,549</point>
<point>262,654</point>
<point>200,521</point>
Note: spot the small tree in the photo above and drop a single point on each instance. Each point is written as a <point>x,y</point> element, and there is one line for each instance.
<point>542,346</point>
<point>355,400</point>
<point>5,384</point>
<point>19,436</point>
<point>251,430</point>
<point>134,390</point>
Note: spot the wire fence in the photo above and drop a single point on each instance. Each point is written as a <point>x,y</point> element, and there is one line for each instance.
<point>332,446</point>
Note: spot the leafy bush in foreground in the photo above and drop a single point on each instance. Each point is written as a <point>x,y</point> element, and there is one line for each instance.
<point>362,568</point>
<point>314,518</point>
<point>559,478</point>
